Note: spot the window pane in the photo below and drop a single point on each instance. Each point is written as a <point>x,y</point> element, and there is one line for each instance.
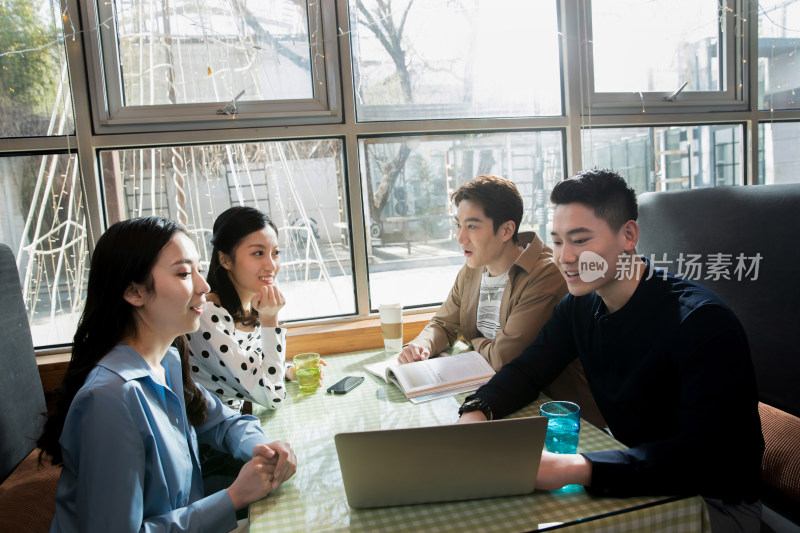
<point>43,223</point>
<point>778,47</point>
<point>198,51</point>
<point>299,184</point>
<point>413,254</point>
<point>779,160</point>
<point>475,58</point>
<point>665,43</point>
<point>34,93</point>
<point>668,158</point>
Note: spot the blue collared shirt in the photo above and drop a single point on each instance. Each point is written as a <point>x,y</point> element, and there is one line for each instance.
<point>130,454</point>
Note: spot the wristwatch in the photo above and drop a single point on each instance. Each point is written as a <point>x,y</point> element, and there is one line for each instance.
<point>476,404</point>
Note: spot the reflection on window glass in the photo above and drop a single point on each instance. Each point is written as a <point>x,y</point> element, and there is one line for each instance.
<point>34,93</point>
<point>473,58</point>
<point>668,158</point>
<point>299,184</point>
<point>411,247</point>
<point>666,43</point>
<point>778,158</point>
<point>778,48</point>
<point>44,224</point>
<point>196,51</point>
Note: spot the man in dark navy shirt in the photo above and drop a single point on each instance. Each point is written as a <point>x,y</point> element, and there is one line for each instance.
<point>667,361</point>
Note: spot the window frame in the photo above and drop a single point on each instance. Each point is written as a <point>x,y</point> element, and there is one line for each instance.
<point>109,115</point>
<point>409,136</point>
<point>415,112</point>
<point>742,162</point>
<point>90,136</point>
<point>733,61</point>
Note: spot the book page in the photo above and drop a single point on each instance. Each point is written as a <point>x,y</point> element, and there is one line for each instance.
<point>379,369</point>
<point>416,375</point>
<point>443,373</point>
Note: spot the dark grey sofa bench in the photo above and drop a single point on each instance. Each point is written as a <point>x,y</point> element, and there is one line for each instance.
<point>757,230</point>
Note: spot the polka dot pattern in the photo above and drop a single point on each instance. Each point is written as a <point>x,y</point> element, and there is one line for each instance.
<point>238,365</point>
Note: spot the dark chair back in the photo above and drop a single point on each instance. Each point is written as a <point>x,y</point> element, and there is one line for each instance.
<point>753,221</point>
<point>21,397</point>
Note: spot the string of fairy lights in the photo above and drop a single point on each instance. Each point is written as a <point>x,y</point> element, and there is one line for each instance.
<point>63,34</point>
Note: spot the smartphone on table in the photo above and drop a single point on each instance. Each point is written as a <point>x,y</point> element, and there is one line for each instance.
<point>345,384</point>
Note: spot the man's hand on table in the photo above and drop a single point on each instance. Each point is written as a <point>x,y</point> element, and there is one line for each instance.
<point>411,353</point>
<point>557,470</point>
<point>471,417</point>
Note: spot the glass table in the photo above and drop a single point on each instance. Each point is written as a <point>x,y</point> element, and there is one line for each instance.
<point>314,499</point>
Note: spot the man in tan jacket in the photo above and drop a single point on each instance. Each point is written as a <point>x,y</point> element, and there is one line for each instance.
<point>506,291</point>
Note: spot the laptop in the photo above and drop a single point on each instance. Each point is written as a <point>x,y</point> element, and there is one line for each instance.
<point>441,463</point>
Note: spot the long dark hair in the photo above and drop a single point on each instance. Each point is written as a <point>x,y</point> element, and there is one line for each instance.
<point>231,226</point>
<point>125,254</point>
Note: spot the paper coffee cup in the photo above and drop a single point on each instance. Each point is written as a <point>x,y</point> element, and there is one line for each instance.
<point>391,315</point>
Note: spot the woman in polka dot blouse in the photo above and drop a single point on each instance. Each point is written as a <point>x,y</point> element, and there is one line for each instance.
<point>238,353</point>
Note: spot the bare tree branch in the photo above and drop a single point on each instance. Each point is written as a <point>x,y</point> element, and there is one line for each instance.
<point>373,27</point>
<point>265,36</point>
<point>389,172</point>
<point>382,25</point>
<point>391,39</point>
<point>405,16</point>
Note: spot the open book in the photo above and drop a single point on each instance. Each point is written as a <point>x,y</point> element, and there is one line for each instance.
<point>436,377</point>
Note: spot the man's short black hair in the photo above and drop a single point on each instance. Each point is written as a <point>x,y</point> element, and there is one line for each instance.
<point>605,191</point>
<point>499,197</point>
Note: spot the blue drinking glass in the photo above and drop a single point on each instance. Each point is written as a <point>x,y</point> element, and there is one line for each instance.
<point>563,426</point>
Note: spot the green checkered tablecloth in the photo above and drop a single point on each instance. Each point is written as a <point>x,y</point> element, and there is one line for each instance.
<point>314,499</point>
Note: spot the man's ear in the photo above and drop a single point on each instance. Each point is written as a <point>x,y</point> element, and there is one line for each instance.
<point>135,294</point>
<point>630,233</point>
<point>225,260</point>
<point>507,230</point>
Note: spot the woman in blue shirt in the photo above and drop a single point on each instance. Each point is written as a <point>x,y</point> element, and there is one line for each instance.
<point>128,417</point>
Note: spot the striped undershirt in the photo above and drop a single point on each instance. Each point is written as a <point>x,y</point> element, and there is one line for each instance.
<point>492,288</point>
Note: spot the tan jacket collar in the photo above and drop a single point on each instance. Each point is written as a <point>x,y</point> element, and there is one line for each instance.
<point>530,256</point>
